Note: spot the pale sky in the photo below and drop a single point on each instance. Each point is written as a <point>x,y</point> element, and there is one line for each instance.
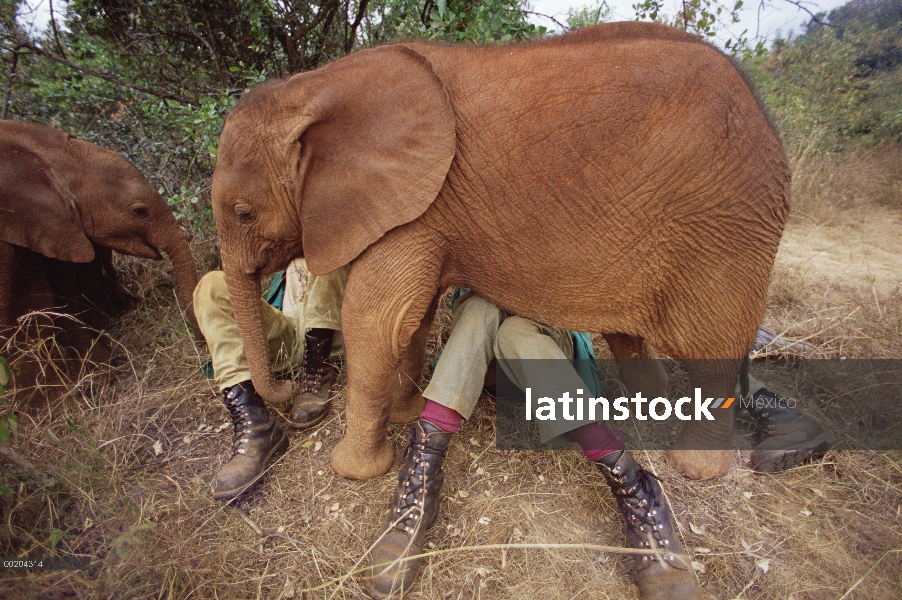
<point>765,18</point>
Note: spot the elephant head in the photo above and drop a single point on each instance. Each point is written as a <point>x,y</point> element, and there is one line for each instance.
<point>60,196</point>
<point>347,167</point>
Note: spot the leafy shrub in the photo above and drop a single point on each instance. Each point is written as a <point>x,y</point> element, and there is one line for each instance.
<point>841,80</point>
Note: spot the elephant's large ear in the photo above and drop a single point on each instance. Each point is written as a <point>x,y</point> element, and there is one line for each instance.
<point>377,138</point>
<point>35,212</point>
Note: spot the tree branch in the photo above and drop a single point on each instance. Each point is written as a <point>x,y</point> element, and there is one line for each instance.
<point>24,43</point>
<point>10,455</point>
<point>549,17</point>
<point>799,4</point>
<point>56,33</point>
<point>10,82</point>
<point>424,13</point>
<point>352,37</point>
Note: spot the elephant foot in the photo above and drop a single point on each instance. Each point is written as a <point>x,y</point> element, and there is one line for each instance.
<point>407,410</point>
<point>701,464</point>
<point>354,460</point>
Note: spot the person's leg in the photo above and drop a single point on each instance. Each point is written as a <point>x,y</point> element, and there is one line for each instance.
<point>534,355</point>
<point>788,438</point>
<point>450,396</point>
<point>459,375</point>
<point>257,434</point>
<point>322,304</point>
<point>213,310</point>
<point>647,518</point>
<point>321,315</point>
<point>649,525</point>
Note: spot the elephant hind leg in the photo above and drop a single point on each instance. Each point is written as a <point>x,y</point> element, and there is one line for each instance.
<point>704,448</point>
<point>638,365</point>
<point>711,345</point>
<point>701,451</point>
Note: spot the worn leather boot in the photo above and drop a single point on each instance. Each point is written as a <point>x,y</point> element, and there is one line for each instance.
<point>414,508</point>
<point>788,438</point>
<point>257,438</point>
<point>649,525</point>
<point>313,404</point>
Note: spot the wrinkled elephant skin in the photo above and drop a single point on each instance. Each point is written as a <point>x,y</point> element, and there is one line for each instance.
<point>620,179</point>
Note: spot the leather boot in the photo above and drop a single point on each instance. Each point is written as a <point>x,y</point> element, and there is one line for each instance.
<point>649,525</point>
<point>414,508</point>
<point>788,438</point>
<point>313,404</point>
<point>257,438</point>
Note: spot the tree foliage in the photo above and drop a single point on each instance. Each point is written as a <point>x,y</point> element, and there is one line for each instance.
<point>707,19</point>
<point>841,80</point>
<point>154,79</point>
<point>164,39</point>
<point>588,15</point>
<point>480,22</point>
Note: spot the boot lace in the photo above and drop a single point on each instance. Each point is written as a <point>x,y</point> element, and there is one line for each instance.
<point>240,420</point>
<point>410,497</point>
<point>315,369</point>
<point>636,500</point>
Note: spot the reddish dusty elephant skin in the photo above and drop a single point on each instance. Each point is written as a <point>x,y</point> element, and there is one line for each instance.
<point>620,179</point>
<point>64,205</point>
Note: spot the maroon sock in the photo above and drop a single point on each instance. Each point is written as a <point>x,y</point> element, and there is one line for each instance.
<point>597,441</point>
<point>442,417</point>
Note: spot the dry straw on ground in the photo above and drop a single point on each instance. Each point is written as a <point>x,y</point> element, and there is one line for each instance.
<point>122,469</point>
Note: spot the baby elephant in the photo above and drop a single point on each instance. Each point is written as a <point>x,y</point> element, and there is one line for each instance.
<point>65,205</point>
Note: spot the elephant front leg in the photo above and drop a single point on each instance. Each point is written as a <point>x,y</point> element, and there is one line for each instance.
<point>408,400</point>
<point>119,299</point>
<point>383,316</point>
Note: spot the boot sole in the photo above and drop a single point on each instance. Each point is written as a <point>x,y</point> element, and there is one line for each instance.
<point>777,461</point>
<point>281,446</point>
<point>377,595</point>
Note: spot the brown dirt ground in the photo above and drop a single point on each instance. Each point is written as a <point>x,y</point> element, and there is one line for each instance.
<point>859,251</point>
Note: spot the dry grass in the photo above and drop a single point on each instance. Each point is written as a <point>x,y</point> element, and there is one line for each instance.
<point>827,530</point>
<point>838,276</point>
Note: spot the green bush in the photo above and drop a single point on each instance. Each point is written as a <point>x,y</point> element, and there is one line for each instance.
<point>840,81</point>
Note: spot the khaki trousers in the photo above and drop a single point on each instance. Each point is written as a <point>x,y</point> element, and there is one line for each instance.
<point>321,308</point>
<point>480,332</point>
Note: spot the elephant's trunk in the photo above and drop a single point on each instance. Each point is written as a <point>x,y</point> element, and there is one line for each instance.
<point>179,251</point>
<point>244,291</point>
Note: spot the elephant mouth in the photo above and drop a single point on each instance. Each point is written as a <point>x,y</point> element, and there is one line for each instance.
<point>267,263</point>
<point>132,246</point>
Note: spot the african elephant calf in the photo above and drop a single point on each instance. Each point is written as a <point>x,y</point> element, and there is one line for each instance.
<point>620,179</point>
<point>64,205</point>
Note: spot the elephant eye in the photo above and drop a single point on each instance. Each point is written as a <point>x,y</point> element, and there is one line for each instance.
<point>141,212</point>
<point>244,214</point>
